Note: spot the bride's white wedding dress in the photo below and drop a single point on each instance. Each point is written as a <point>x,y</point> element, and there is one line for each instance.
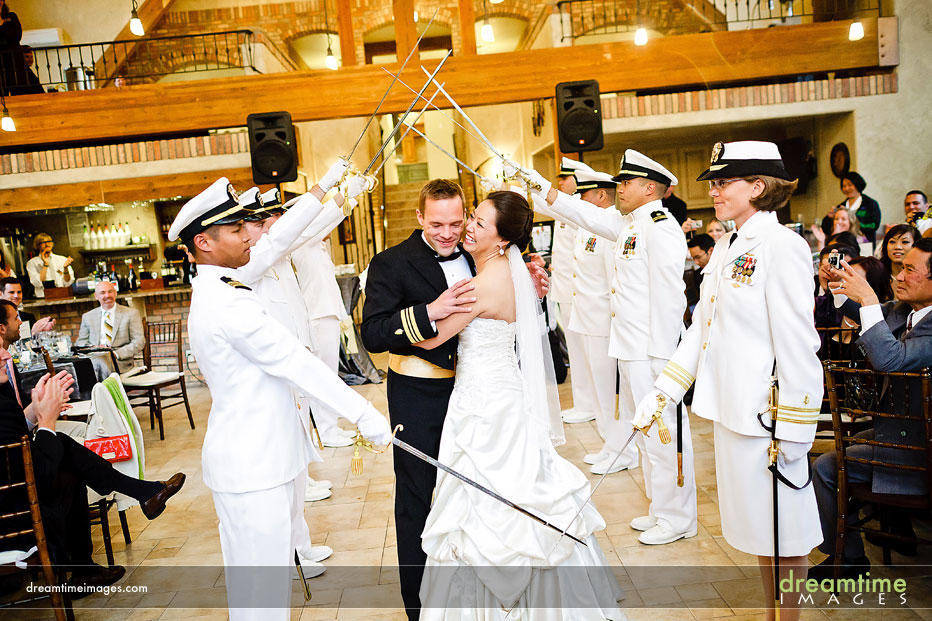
<point>484,559</point>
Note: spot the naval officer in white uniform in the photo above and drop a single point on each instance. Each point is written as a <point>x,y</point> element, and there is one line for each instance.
<point>753,321</point>
<point>591,317</point>
<point>647,306</point>
<point>257,443</point>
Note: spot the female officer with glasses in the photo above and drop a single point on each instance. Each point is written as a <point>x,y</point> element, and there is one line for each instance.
<point>754,323</point>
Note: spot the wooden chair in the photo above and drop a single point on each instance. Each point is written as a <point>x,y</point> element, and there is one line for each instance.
<point>856,393</point>
<point>838,346</point>
<point>18,490</point>
<point>99,514</point>
<point>164,344</point>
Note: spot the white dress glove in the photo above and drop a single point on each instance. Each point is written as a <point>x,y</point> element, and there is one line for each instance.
<point>373,426</point>
<point>648,406</point>
<point>356,185</point>
<point>791,452</point>
<point>333,176</point>
<point>488,184</point>
<point>539,185</point>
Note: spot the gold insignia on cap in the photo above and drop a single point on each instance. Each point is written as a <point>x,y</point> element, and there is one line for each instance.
<point>232,192</point>
<point>717,152</point>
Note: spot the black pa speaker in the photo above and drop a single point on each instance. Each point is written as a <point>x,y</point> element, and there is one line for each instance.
<point>272,147</point>
<point>579,116</point>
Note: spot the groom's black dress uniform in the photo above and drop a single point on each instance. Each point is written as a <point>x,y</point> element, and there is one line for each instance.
<point>401,282</point>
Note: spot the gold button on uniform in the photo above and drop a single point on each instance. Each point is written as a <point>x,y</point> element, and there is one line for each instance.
<point>713,299</point>
<point>704,345</point>
<point>574,275</point>
<point>613,313</point>
<point>709,323</point>
<point>613,289</point>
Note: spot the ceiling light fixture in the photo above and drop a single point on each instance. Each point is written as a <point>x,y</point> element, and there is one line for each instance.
<point>7,123</point>
<point>135,24</point>
<point>415,16</point>
<point>486,32</point>
<point>330,61</point>
<point>856,31</point>
<point>640,36</point>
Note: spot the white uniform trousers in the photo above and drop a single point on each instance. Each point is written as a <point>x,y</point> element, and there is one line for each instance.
<point>326,334</point>
<point>583,394</point>
<point>300,534</point>
<point>673,506</point>
<point>598,382</point>
<point>256,538</point>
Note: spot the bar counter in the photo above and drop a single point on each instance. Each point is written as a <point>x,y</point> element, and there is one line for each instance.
<point>168,304</point>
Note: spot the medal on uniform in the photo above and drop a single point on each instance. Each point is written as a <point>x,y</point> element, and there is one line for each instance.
<point>590,244</point>
<point>630,243</point>
<point>743,268</point>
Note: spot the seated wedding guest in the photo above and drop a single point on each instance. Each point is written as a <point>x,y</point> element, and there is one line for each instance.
<point>700,249</point>
<point>48,267</point>
<point>845,226</point>
<point>6,270</point>
<point>715,229</point>
<point>896,243</point>
<point>12,289</point>
<point>877,276</point>
<point>826,315</point>
<point>64,469</point>
<point>112,325</point>
<point>896,337</point>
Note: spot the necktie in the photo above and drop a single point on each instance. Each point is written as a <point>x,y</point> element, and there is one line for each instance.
<point>732,239</point>
<point>456,255</point>
<point>12,375</point>
<point>108,329</point>
<point>909,322</point>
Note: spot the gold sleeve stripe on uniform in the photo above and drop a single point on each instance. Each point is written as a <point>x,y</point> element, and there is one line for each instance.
<point>685,373</point>
<point>414,328</point>
<point>798,422</point>
<point>790,408</point>
<point>675,378</point>
<point>406,325</point>
<point>677,371</point>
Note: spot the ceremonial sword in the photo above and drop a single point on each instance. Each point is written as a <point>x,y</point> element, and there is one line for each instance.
<point>395,129</point>
<point>444,151</point>
<point>410,127</point>
<point>400,69</point>
<point>462,477</point>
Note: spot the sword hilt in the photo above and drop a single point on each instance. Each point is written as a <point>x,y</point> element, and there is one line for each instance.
<point>360,442</point>
<point>662,430</point>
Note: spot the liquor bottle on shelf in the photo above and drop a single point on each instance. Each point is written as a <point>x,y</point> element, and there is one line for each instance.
<point>114,278</point>
<point>127,234</point>
<point>93,239</point>
<point>86,238</point>
<point>131,279</point>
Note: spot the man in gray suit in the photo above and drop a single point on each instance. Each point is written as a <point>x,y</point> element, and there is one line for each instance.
<point>112,325</point>
<point>895,337</point>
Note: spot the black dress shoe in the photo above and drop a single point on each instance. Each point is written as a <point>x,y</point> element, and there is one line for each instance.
<point>852,569</point>
<point>83,581</point>
<point>153,507</point>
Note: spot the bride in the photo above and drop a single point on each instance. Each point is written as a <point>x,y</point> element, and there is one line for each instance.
<point>485,560</point>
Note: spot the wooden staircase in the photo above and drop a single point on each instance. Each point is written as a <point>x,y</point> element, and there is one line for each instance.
<point>400,208</point>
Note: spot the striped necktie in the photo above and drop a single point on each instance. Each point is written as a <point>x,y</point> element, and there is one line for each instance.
<point>108,328</point>
<point>12,375</point>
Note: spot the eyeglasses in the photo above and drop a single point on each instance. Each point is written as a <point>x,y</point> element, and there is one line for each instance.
<point>718,184</point>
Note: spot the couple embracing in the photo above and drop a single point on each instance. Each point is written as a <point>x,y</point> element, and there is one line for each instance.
<point>468,380</point>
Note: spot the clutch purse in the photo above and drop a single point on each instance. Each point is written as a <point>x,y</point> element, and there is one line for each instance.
<point>113,449</point>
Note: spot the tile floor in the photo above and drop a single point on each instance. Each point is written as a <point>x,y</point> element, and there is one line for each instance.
<point>178,558</point>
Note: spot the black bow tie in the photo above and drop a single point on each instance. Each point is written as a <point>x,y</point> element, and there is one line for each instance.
<point>451,257</point>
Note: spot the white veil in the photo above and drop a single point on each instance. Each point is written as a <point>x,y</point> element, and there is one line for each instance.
<point>542,401</point>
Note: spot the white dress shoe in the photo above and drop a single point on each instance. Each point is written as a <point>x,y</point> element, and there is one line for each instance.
<point>319,483</point>
<point>313,493</point>
<point>310,569</point>
<point>316,555</point>
<point>573,416</point>
<point>605,466</point>
<point>645,522</point>
<point>594,458</point>
<point>659,535</point>
<point>335,440</point>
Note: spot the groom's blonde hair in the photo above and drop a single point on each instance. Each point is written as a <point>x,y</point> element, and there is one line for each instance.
<point>437,189</point>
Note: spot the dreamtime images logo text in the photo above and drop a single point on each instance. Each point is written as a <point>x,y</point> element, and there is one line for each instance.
<point>861,591</point>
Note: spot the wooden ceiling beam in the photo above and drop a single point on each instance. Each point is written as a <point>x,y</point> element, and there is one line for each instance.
<point>118,190</point>
<point>683,61</point>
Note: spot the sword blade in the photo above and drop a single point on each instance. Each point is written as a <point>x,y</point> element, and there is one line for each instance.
<point>444,151</point>
<point>462,477</point>
<point>482,137</point>
<point>403,116</point>
<point>388,90</point>
<point>410,127</point>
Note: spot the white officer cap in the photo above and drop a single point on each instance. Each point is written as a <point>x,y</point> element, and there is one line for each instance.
<point>251,199</point>
<point>269,204</point>
<point>569,167</point>
<point>634,164</point>
<point>744,159</point>
<point>271,198</point>
<point>218,204</point>
<point>592,179</point>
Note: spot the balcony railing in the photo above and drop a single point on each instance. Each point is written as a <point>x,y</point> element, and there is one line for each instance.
<point>93,65</point>
<point>599,17</point>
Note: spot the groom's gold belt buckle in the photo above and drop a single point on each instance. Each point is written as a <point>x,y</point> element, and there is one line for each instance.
<point>412,366</point>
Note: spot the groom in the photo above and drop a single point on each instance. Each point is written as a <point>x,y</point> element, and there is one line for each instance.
<point>410,286</point>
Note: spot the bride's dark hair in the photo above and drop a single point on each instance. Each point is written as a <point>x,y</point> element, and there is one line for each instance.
<point>513,218</point>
